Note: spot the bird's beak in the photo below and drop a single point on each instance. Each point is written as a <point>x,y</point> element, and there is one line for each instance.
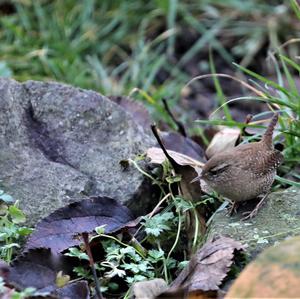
<point>196,179</point>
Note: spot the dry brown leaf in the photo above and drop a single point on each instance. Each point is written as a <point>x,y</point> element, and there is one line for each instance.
<point>225,139</point>
<point>157,156</point>
<point>148,289</point>
<point>188,168</point>
<point>208,267</point>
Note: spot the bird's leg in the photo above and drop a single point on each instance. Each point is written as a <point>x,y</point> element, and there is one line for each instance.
<point>233,208</point>
<point>250,215</point>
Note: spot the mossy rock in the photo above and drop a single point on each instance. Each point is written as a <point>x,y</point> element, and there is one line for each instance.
<point>275,221</point>
<point>274,274</point>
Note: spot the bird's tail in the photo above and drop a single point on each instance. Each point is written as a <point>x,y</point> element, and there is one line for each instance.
<point>267,137</point>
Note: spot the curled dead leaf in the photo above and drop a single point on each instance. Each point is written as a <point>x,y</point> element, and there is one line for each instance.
<point>157,156</point>
<point>188,168</point>
<point>207,268</point>
<point>225,139</point>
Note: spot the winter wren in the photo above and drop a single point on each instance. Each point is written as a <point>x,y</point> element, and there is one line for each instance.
<point>246,171</point>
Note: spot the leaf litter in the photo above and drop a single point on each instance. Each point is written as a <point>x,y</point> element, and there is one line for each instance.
<point>59,230</point>
<point>207,269</point>
<point>40,269</point>
<point>43,267</point>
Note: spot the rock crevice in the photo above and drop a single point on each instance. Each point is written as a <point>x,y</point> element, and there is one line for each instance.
<point>59,143</point>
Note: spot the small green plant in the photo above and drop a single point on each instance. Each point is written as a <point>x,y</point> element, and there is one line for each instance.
<point>13,294</point>
<point>157,224</point>
<point>127,262</point>
<point>11,230</point>
<point>156,250</point>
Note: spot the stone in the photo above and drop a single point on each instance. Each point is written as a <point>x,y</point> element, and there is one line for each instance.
<point>275,273</point>
<point>277,220</point>
<point>59,144</point>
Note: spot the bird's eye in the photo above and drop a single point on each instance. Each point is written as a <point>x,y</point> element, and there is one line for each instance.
<point>213,172</point>
<point>218,169</point>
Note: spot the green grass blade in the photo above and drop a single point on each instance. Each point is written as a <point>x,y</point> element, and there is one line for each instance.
<point>296,8</point>
<point>265,80</point>
<point>228,123</point>
<point>171,18</point>
<point>220,95</point>
<point>286,181</point>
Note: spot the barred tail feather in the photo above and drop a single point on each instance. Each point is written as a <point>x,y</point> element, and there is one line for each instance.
<point>267,137</point>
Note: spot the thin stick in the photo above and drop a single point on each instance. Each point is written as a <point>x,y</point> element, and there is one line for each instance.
<point>85,237</point>
<point>180,126</point>
<point>156,135</point>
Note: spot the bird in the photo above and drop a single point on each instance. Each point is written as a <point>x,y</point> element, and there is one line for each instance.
<point>246,171</point>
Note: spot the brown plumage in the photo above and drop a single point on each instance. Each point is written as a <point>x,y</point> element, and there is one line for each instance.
<point>246,171</point>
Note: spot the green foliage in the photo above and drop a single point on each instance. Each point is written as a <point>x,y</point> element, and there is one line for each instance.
<point>287,100</point>
<point>157,224</point>
<point>160,249</point>
<point>123,261</point>
<point>92,45</point>
<point>28,292</point>
<point>11,231</point>
<point>75,252</point>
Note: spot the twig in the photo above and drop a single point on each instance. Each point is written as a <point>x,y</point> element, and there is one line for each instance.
<point>180,126</point>
<point>156,135</point>
<point>85,237</point>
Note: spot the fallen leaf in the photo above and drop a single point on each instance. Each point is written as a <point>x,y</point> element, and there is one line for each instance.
<point>58,231</point>
<point>38,268</point>
<point>148,289</point>
<point>208,267</point>
<point>187,167</point>
<point>75,290</point>
<point>157,156</point>
<point>225,139</point>
<point>183,145</point>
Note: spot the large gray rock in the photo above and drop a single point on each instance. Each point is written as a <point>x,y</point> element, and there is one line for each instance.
<point>278,219</point>
<point>59,143</point>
